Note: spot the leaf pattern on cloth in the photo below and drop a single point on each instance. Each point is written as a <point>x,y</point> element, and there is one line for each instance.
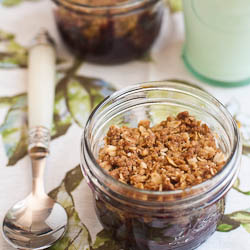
<point>14,128</point>
<point>226,224</point>
<point>5,36</point>
<point>11,3</point>
<point>147,58</point>
<point>12,54</point>
<point>78,102</point>
<point>243,122</point>
<point>96,88</point>
<point>105,241</point>
<point>236,186</point>
<point>174,5</point>
<point>75,97</point>
<point>77,236</point>
<point>62,117</point>
<point>234,220</point>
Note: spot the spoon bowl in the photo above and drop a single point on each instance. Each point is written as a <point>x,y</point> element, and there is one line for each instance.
<point>34,223</point>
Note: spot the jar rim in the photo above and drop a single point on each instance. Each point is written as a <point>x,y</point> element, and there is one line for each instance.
<point>126,6</point>
<point>236,149</point>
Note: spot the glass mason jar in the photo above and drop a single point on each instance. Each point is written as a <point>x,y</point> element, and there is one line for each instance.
<point>109,31</point>
<point>154,220</point>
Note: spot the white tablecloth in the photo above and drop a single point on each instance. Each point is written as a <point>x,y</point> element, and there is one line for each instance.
<point>24,20</point>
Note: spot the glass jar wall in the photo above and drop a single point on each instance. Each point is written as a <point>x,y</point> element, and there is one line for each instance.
<point>154,220</point>
<point>109,31</point>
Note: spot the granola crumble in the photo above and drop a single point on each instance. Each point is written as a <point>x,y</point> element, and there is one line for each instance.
<point>179,152</point>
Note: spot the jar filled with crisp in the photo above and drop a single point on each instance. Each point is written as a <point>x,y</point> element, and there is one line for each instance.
<point>160,158</point>
<point>109,31</point>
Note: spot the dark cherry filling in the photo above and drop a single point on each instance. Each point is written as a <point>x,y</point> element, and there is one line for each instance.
<point>109,39</point>
<point>138,232</point>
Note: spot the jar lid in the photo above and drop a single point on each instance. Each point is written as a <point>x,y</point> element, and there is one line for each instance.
<point>104,7</point>
<point>103,3</point>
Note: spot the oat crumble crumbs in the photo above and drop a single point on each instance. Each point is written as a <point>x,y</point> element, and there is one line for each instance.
<point>179,152</point>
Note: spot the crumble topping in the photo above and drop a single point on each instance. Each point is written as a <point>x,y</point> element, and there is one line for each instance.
<point>179,152</point>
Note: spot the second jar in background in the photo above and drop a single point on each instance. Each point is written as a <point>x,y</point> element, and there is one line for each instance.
<point>109,31</point>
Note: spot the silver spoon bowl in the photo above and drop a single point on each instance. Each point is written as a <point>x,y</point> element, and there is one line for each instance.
<point>29,227</point>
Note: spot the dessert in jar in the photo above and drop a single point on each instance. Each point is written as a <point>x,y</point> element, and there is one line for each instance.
<point>160,158</point>
<point>109,31</point>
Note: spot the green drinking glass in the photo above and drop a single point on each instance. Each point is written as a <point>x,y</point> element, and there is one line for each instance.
<point>217,46</point>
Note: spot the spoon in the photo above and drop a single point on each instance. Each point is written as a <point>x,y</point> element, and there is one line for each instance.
<point>37,222</point>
